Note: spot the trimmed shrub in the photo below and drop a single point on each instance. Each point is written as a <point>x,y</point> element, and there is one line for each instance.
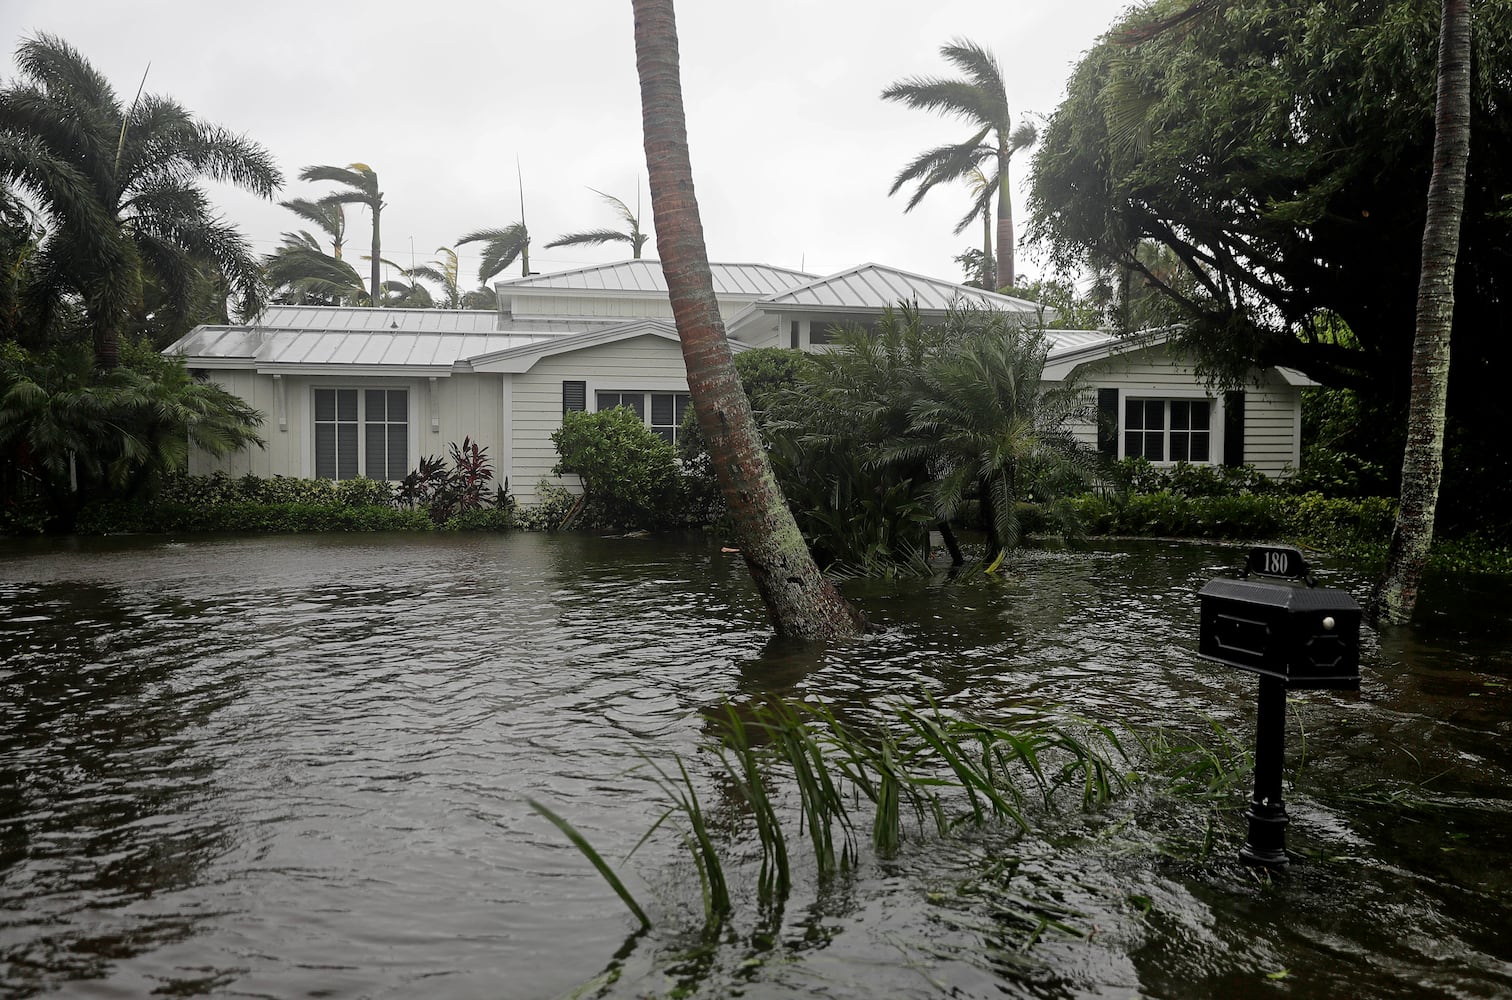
<point>628,472</point>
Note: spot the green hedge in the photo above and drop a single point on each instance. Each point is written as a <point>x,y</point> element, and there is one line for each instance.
<point>116,517</point>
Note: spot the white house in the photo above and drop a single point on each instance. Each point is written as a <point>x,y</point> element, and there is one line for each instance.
<point>359,391</point>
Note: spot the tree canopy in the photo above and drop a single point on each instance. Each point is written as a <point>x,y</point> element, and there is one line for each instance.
<point>1281,150</point>
<point>117,195</point>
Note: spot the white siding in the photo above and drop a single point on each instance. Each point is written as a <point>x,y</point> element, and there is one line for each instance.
<point>465,405</point>
<point>1272,418</point>
<point>649,363</point>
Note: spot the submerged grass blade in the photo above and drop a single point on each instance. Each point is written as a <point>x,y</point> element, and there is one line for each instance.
<point>594,858</point>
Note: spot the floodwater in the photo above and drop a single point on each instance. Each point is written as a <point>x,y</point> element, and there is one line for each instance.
<point>298,766</point>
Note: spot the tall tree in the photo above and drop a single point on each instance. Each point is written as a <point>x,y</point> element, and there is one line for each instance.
<point>1423,460</point>
<point>799,600</point>
<point>300,272</point>
<point>118,192</point>
<point>329,217</point>
<point>501,248</point>
<point>1279,151</point>
<point>598,237</point>
<point>980,99</point>
<point>362,183</point>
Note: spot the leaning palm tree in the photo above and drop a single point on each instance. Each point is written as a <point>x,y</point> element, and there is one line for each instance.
<point>362,183</point>
<point>501,248</point>
<point>117,191</point>
<point>329,217</point>
<point>598,237</point>
<point>800,602</point>
<point>981,100</point>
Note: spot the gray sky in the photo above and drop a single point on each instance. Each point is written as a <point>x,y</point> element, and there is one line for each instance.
<point>793,151</point>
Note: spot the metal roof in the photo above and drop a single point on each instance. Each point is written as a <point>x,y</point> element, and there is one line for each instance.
<point>1064,342</point>
<point>645,276</point>
<point>873,287</point>
<point>392,350</point>
<point>359,318</point>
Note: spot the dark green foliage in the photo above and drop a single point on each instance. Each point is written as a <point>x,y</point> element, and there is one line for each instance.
<point>70,434</point>
<point>1280,150</point>
<point>114,517</point>
<point>629,474</point>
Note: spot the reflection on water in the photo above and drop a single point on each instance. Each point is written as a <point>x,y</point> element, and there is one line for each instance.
<point>297,766</point>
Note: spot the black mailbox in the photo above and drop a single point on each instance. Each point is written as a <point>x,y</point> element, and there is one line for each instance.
<point>1306,637</point>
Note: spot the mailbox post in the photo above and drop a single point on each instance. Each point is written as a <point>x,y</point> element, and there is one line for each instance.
<point>1293,634</point>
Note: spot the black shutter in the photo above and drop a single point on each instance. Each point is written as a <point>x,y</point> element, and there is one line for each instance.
<point>1107,422</point>
<point>1233,428</point>
<point>574,396</point>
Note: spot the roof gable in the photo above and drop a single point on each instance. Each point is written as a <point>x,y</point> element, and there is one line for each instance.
<point>523,358</point>
<point>645,277</point>
<point>874,287</point>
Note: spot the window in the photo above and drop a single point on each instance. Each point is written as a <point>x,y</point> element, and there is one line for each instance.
<point>1168,430</point>
<point>361,432</point>
<point>666,409</point>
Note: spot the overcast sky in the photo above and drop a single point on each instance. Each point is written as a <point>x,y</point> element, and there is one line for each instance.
<point>793,151</point>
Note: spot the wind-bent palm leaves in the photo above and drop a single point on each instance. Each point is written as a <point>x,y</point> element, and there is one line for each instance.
<point>501,247</point>
<point>981,99</point>
<point>362,182</point>
<point>598,237</point>
<point>300,272</point>
<point>117,191</point>
<point>329,216</point>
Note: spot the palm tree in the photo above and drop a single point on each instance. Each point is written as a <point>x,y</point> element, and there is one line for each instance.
<point>1423,460</point>
<point>982,419</point>
<point>598,237</point>
<point>300,272</point>
<point>798,599</point>
<point>362,182</point>
<point>118,193</point>
<point>501,248</point>
<point>980,99</point>
<point>328,216</point>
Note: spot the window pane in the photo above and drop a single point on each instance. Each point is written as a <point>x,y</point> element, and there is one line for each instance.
<point>684,404</point>
<point>346,404</point>
<point>374,439</point>
<point>1201,414</point>
<point>1200,442</point>
<point>606,400</point>
<point>661,409</point>
<point>398,452</point>
<point>346,448</point>
<point>1154,414</point>
<point>398,406</point>
<point>374,403</point>
<point>1134,415</point>
<point>1179,441</point>
<point>635,401</point>
<point>325,404</point>
<point>325,449</point>
<point>1154,446</point>
<point>667,434</point>
<point>1181,415</point>
<point>1133,444</point>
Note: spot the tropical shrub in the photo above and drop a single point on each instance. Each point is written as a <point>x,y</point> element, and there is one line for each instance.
<point>552,507</point>
<point>629,474</point>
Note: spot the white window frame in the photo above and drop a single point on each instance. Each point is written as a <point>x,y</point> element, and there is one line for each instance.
<point>362,389</point>
<point>1167,396</point>
<point>647,407</point>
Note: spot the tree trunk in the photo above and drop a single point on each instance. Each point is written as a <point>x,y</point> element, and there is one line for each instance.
<point>799,600</point>
<point>377,247</point>
<point>1423,460</point>
<point>989,262</point>
<point>1004,219</point>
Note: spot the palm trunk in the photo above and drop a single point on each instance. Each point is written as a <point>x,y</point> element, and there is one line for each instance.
<point>1423,460</point>
<point>377,247</point>
<point>989,263</point>
<point>799,600</point>
<point>1004,219</point>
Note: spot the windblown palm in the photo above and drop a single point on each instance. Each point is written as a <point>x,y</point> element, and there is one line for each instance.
<point>598,237</point>
<point>980,99</point>
<point>117,191</point>
<point>300,272</point>
<point>501,248</point>
<point>982,419</point>
<point>362,183</point>
<point>328,216</point>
